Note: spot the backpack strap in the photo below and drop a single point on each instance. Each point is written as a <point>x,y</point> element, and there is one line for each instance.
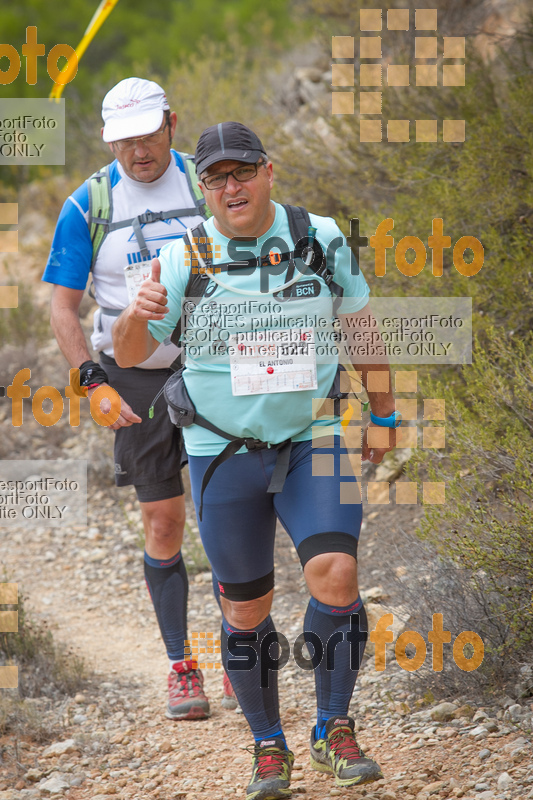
<point>299,221</point>
<point>196,285</point>
<point>279,473</point>
<point>100,208</point>
<point>192,180</point>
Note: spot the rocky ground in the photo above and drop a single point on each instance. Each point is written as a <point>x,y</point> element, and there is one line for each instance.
<point>113,739</point>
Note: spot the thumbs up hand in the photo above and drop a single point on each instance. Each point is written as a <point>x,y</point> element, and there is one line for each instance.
<point>156,270</point>
<point>151,300</point>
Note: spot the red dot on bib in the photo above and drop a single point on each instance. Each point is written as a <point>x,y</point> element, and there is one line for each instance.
<point>242,347</point>
<point>270,370</point>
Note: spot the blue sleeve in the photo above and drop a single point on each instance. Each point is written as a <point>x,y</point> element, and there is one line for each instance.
<point>178,160</point>
<point>69,262</point>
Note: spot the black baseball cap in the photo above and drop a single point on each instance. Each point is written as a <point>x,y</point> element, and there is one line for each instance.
<point>227,141</point>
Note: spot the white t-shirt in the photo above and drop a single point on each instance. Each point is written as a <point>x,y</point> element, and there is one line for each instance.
<point>71,254</point>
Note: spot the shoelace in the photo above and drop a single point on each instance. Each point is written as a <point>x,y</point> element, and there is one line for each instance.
<point>343,743</point>
<point>188,683</point>
<point>270,762</point>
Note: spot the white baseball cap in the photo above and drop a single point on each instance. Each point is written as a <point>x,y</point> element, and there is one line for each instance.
<point>134,107</point>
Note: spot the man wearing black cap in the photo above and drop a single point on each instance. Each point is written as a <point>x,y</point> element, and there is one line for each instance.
<point>254,371</point>
<point>111,227</point>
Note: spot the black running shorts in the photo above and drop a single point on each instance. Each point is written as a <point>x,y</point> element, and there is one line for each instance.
<point>150,452</point>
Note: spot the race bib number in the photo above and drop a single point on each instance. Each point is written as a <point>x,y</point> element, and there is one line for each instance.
<point>135,274</point>
<point>265,362</point>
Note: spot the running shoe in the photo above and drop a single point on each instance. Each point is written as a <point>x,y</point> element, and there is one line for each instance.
<point>229,700</point>
<point>186,697</point>
<point>271,771</point>
<point>340,754</point>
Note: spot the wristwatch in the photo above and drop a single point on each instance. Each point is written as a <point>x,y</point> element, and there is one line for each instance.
<point>394,421</point>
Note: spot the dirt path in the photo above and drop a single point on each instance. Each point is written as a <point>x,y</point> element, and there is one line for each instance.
<point>88,584</point>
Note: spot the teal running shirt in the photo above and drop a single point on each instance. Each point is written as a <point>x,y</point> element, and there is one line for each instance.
<point>245,312</point>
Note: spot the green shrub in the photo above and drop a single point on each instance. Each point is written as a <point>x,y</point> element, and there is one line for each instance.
<point>477,559</point>
<point>26,323</point>
<point>483,531</point>
<point>46,668</point>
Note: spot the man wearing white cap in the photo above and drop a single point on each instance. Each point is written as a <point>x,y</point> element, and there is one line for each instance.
<point>112,226</point>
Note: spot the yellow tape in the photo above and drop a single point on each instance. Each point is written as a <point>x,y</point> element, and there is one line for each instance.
<point>100,15</point>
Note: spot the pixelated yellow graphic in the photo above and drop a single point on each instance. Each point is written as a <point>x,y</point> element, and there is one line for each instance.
<point>342,46</point>
<point>434,492</point>
<point>192,254</point>
<point>9,678</point>
<point>426,75</point>
<point>348,462</point>
<point>434,409</point>
<point>327,461</point>
<point>426,47</point>
<point>378,492</point>
<point>398,19</point>
<point>408,408</point>
<point>437,63</point>
<point>406,437</point>
<point>377,381</point>
<point>406,381</point>
<point>453,130</point>
<point>426,130</point>
<point>370,46</point>
<point>370,130</point>
<point>342,103</point>
<point>426,19</point>
<point>9,296</point>
<point>378,437</point>
<point>8,242</point>
<point>406,493</point>
<point>370,102</point>
<point>342,75</point>
<point>370,19</point>
<point>202,647</point>
<point>434,437</point>
<point>398,130</point>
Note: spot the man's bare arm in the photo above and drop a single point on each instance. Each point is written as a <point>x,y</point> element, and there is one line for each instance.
<point>65,322</point>
<point>132,341</point>
<point>381,403</point>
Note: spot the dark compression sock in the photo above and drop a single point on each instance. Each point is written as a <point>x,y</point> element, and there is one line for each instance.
<point>255,685</point>
<point>342,634</point>
<point>168,585</point>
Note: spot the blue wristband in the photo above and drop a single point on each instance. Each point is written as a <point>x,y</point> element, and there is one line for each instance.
<point>394,421</point>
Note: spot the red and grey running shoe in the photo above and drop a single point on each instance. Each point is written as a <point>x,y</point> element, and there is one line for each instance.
<point>186,697</point>
<point>229,700</point>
